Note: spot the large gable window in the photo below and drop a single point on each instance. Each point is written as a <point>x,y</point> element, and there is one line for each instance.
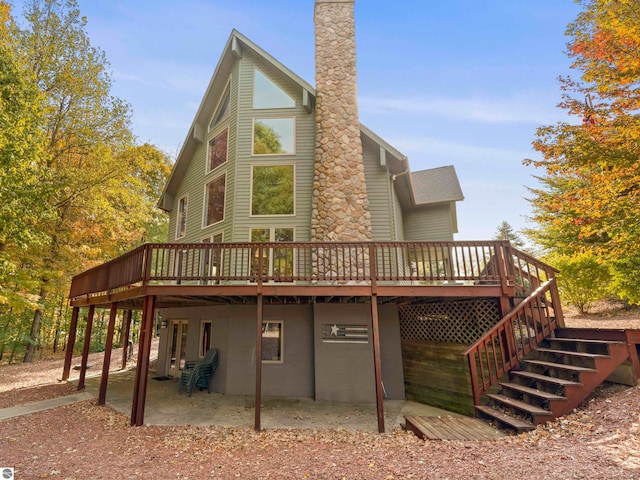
<point>273,190</point>
<point>218,149</point>
<point>267,94</point>
<point>274,136</point>
<point>222,112</point>
<point>181,220</point>
<point>214,198</point>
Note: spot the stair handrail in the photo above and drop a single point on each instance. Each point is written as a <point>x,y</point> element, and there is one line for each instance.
<point>516,334</point>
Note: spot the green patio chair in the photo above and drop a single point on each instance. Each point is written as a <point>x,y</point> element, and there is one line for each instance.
<point>199,374</point>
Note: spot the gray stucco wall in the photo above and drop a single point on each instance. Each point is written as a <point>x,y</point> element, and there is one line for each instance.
<point>344,371</point>
<point>311,368</point>
<point>234,334</point>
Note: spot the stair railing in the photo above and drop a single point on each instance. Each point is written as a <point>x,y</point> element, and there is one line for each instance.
<point>501,348</point>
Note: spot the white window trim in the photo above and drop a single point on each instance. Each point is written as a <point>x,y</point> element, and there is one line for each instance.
<point>211,128</point>
<point>178,236</point>
<point>253,92</point>
<point>274,117</point>
<point>281,322</point>
<point>208,162</point>
<point>277,215</point>
<point>205,204</point>
<point>272,232</point>
<point>202,335</point>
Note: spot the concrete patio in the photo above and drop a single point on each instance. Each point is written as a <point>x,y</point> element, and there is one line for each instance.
<point>165,406</point>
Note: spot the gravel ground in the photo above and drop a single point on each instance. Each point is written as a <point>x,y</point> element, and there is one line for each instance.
<point>83,441</point>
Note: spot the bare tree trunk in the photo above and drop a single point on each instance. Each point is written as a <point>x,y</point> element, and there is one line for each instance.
<point>35,326</point>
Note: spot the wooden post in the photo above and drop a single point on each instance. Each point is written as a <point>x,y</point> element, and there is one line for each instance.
<point>87,346</point>
<point>144,350</point>
<point>125,346</point>
<point>71,341</point>
<point>377,364</point>
<point>106,362</point>
<point>375,334</point>
<point>258,393</point>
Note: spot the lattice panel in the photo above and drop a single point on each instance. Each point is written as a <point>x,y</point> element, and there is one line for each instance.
<point>449,322</point>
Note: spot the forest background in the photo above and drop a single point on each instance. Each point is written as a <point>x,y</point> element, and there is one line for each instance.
<point>77,188</point>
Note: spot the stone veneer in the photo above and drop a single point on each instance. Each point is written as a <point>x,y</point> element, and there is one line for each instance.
<point>340,209</point>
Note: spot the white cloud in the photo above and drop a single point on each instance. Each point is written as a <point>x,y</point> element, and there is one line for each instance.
<point>516,110</point>
<point>433,149</point>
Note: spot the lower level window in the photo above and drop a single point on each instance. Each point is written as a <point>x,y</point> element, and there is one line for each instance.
<point>205,338</point>
<point>272,342</point>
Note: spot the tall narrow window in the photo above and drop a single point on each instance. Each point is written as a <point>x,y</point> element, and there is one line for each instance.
<point>214,191</point>
<point>274,136</point>
<point>267,94</point>
<point>222,112</point>
<point>218,149</point>
<point>211,261</point>
<point>272,190</point>
<point>272,342</point>
<point>205,337</point>
<point>181,220</point>
<point>277,261</point>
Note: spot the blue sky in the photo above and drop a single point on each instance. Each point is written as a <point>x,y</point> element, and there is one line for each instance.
<point>447,82</point>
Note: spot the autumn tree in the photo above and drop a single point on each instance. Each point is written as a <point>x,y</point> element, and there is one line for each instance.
<point>103,186</point>
<point>589,194</point>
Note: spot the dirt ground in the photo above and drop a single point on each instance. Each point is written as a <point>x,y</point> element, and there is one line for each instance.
<point>82,441</point>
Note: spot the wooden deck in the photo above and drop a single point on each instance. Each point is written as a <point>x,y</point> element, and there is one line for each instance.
<point>451,428</point>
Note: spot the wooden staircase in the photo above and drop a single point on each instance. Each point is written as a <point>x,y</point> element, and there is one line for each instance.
<point>553,379</point>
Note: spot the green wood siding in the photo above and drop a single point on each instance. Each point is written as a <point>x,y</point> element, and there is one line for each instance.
<point>432,223</point>
<point>378,191</point>
<point>399,226</point>
<point>303,158</point>
<point>196,178</point>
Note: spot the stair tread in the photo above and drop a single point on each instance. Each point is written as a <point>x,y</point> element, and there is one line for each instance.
<point>562,366</point>
<point>545,378</point>
<point>519,404</point>
<point>513,422</point>
<point>584,340</point>
<point>575,354</point>
<point>532,391</point>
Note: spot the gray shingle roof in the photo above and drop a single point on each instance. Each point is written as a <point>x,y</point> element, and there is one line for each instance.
<point>436,185</point>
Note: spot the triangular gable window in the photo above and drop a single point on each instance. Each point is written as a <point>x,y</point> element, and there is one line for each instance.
<point>223,108</point>
<point>267,94</point>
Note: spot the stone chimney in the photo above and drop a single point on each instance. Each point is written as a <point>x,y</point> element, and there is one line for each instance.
<point>340,209</point>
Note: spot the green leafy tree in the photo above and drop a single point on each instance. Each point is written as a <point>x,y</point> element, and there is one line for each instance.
<point>506,232</point>
<point>265,140</point>
<point>582,279</point>
<point>103,186</point>
<point>589,197</point>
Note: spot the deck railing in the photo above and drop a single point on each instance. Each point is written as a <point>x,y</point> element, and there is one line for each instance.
<point>502,347</point>
<point>404,263</point>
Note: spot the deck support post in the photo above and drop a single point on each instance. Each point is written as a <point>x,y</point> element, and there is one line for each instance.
<point>377,364</point>
<point>144,350</point>
<point>375,334</point>
<point>106,362</point>
<point>87,346</point>
<point>125,346</point>
<point>71,342</point>
<point>258,393</point>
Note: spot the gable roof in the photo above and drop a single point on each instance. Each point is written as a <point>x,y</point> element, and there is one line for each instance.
<point>394,160</point>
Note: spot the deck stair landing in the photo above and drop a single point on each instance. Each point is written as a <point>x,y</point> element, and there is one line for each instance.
<point>450,428</point>
<point>552,380</point>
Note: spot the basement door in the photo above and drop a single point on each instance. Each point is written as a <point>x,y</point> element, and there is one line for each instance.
<point>178,330</point>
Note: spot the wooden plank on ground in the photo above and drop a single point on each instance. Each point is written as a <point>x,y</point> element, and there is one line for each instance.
<point>451,428</point>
